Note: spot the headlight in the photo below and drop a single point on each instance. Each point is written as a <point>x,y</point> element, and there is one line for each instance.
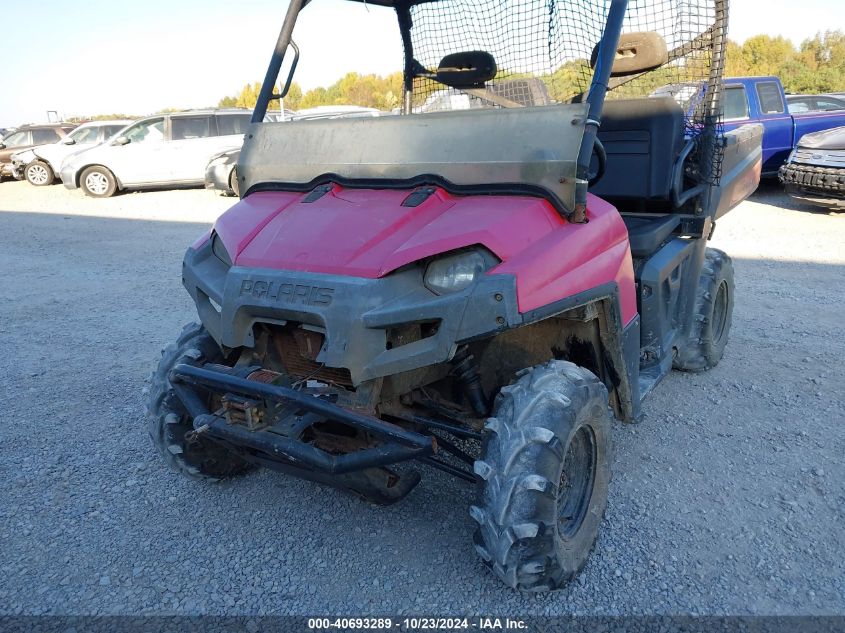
<point>219,250</point>
<point>455,272</point>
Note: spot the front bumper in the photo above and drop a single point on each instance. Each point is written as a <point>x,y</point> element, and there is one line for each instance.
<point>399,444</point>
<point>356,315</point>
<point>6,169</point>
<point>816,177</point>
<point>217,176</point>
<point>68,174</point>
<point>278,443</point>
<point>20,161</point>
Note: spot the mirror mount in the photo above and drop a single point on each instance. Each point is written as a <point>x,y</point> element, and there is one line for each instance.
<point>69,141</point>
<point>286,87</point>
<point>636,53</point>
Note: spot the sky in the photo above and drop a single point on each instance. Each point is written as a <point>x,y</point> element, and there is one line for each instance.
<point>138,58</point>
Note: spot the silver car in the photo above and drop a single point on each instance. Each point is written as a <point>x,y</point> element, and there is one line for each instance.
<point>40,164</point>
<point>166,150</point>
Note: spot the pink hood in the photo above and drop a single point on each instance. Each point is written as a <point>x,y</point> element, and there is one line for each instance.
<point>368,233</point>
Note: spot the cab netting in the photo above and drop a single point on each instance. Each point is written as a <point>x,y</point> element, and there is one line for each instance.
<point>543,49</point>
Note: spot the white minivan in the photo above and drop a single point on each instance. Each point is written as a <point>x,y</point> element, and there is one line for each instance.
<point>166,150</point>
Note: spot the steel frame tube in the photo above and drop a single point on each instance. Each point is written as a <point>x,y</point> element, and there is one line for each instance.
<point>451,470</point>
<point>598,90</point>
<point>218,380</point>
<point>304,455</point>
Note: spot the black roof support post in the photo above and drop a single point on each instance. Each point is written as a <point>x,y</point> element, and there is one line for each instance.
<point>595,99</point>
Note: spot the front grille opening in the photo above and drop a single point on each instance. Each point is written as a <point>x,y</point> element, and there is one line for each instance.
<point>410,333</point>
<point>298,349</point>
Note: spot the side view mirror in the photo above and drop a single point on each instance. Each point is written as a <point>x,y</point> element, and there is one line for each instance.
<point>2,146</point>
<point>121,140</point>
<point>69,141</point>
<point>636,53</point>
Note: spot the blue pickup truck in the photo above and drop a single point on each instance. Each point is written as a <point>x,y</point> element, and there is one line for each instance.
<point>762,100</point>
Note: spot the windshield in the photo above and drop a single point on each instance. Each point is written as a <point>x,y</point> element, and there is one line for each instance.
<point>827,104</point>
<point>111,130</point>
<point>152,130</point>
<point>84,135</point>
<point>17,139</point>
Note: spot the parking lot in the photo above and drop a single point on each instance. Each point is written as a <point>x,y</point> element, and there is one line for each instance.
<point>727,499</point>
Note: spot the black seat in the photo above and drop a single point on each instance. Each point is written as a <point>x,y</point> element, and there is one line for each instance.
<point>647,234</point>
<point>642,138</point>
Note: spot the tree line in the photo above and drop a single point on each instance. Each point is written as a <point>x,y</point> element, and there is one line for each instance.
<point>371,91</point>
<point>817,65</point>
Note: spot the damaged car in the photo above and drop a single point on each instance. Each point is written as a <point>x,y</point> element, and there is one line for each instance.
<point>815,172</point>
<point>28,136</point>
<point>41,164</point>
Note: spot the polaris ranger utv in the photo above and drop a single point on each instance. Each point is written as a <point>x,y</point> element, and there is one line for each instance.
<point>476,291</point>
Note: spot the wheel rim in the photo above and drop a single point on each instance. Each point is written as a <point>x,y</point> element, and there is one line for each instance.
<point>96,183</point>
<point>234,185</point>
<point>37,174</point>
<point>720,311</point>
<point>576,482</point>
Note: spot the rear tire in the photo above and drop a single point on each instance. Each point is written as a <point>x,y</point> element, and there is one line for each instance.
<point>98,182</point>
<point>713,315</point>
<point>168,422</point>
<point>39,173</point>
<point>545,477</point>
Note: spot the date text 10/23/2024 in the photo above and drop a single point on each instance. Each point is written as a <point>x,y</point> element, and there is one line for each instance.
<point>417,624</point>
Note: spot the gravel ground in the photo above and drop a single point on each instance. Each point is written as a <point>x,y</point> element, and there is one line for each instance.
<point>727,499</point>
